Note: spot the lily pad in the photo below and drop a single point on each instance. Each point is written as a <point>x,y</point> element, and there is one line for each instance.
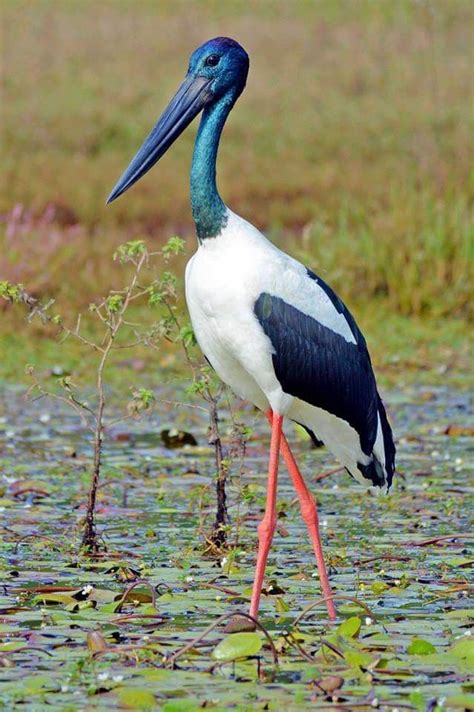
<point>418,646</point>
<point>350,628</point>
<point>464,649</point>
<point>237,645</point>
<point>133,698</point>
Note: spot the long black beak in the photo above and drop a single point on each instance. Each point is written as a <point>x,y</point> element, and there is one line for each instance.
<point>191,97</point>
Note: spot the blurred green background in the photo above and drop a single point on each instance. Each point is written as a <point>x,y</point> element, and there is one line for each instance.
<point>351,147</point>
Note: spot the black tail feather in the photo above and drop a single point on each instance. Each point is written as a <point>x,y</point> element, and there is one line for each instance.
<point>389,445</point>
<point>374,472</point>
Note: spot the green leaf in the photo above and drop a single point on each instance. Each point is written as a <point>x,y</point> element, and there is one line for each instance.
<point>133,698</point>
<point>174,246</point>
<point>108,608</point>
<point>11,645</point>
<point>11,292</point>
<point>379,587</point>
<point>130,250</point>
<point>114,303</point>
<point>465,702</point>
<point>165,597</point>
<point>358,659</point>
<point>418,646</point>
<point>417,699</point>
<point>53,599</point>
<point>181,705</point>
<point>34,684</point>
<point>463,614</point>
<point>156,675</point>
<point>186,335</point>
<point>463,649</point>
<point>237,645</point>
<point>459,561</point>
<point>281,605</point>
<point>350,628</point>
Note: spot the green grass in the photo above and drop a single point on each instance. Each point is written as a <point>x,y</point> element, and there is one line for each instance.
<point>403,350</point>
<point>351,145</point>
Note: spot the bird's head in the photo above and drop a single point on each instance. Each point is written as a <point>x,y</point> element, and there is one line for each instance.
<point>224,63</point>
<point>217,72</point>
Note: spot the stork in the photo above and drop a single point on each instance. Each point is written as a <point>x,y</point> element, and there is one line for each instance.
<point>273,330</point>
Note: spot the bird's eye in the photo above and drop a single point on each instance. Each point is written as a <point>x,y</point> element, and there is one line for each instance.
<point>212,60</point>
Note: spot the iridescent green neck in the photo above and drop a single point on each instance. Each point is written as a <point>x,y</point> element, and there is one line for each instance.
<point>209,211</point>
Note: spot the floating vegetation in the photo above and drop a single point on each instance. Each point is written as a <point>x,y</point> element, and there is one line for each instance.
<point>142,625</point>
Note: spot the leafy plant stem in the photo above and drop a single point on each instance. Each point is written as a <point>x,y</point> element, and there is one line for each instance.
<point>89,539</point>
<point>218,536</point>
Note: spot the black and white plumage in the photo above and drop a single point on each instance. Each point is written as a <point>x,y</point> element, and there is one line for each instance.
<point>272,330</point>
<point>280,337</point>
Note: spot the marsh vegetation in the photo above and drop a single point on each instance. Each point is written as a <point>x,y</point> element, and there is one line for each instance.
<point>352,149</point>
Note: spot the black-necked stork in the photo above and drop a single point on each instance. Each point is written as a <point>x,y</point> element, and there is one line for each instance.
<point>272,329</point>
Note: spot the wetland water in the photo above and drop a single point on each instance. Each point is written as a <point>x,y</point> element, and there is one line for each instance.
<point>69,639</point>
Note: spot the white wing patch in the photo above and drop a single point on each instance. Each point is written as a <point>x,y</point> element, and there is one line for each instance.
<point>308,296</point>
<point>282,276</point>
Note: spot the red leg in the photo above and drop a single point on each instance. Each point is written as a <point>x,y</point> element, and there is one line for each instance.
<point>266,528</point>
<point>310,516</point>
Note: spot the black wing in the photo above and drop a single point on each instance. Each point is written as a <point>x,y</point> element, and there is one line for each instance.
<point>389,446</point>
<point>320,367</point>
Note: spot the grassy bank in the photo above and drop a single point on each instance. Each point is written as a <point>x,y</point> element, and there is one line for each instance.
<point>351,147</point>
<point>403,349</point>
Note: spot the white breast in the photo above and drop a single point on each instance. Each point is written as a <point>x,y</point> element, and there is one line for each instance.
<point>223,280</point>
<point>222,285</point>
